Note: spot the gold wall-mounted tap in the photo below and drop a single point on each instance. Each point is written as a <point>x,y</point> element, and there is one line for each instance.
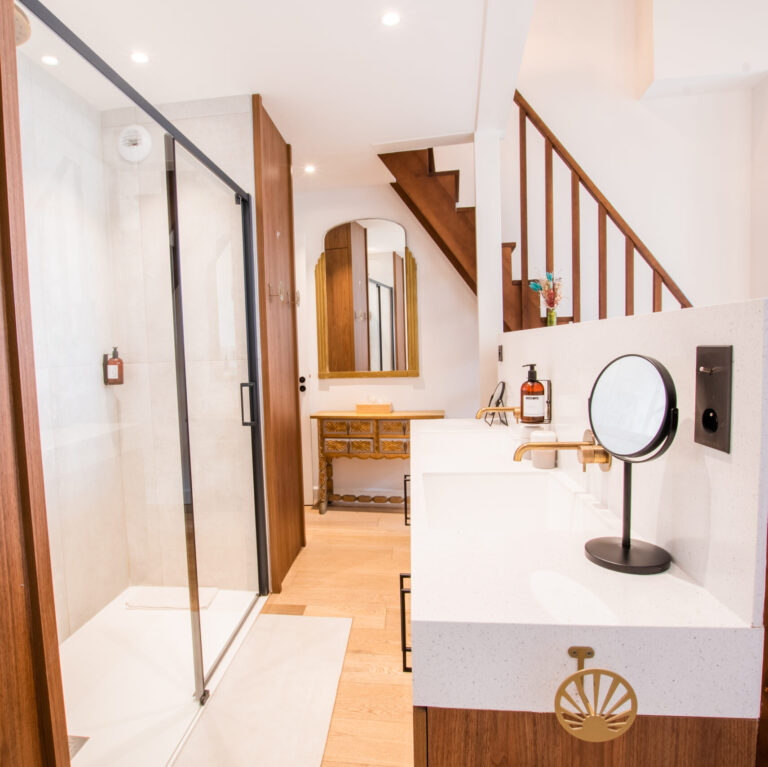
<point>587,451</point>
<point>514,410</point>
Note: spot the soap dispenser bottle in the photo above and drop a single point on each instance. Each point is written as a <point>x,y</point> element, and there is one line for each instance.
<point>113,368</point>
<point>532,399</point>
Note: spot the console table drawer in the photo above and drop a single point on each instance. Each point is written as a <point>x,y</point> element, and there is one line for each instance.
<point>393,446</point>
<point>393,427</point>
<point>362,436</point>
<point>335,427</point>
<point>336,446</point>
<point>360,446</point>
<point>363,428</point>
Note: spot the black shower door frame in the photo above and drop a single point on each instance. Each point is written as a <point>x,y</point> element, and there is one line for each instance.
<point>245,201</point>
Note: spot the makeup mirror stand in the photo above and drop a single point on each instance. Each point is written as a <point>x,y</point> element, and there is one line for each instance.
<point>623,554</point>
<point>612,417</point>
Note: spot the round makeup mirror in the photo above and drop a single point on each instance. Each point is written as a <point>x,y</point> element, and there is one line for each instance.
<point>633,408</point>
<point>633,415</point>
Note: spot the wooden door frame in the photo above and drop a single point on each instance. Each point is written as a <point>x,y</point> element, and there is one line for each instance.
<point>35,732</point>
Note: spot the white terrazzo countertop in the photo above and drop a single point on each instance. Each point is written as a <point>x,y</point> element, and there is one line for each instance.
<point>501,588</point>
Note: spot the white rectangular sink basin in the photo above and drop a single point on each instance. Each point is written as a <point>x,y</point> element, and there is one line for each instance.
<point>538,501</point>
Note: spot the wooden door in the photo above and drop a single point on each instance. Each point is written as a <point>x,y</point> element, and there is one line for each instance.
<point>279,351</point>
<point>32,728</point>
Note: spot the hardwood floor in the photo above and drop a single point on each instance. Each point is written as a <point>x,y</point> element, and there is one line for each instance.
<point>350,568</point>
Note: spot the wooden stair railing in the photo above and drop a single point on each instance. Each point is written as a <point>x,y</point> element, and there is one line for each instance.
<point>605,211</point>
<point>432,196</point>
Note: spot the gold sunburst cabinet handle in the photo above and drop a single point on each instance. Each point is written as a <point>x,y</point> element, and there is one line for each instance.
<point>595,705</point>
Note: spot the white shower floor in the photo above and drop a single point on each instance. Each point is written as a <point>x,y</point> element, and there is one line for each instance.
<point>127,673</point>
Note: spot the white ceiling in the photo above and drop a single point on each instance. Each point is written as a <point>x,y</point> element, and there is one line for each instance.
<point>337,83</point>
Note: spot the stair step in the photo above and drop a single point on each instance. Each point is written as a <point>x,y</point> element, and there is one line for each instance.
<point>467,213</point>
<point>450,181</point>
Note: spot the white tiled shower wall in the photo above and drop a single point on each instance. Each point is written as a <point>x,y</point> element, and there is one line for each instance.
<point>99,276</point>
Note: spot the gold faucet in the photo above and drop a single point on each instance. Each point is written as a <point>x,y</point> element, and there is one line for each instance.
<point>587,451</point>
<point>514,410</point>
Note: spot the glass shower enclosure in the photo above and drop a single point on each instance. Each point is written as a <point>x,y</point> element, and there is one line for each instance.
<point>140,248</point>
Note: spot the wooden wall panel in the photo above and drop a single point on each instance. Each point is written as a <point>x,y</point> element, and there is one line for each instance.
<point>280,374</point>
<point>464,738</point>
<point>339,309</point>
<point>32,727</point>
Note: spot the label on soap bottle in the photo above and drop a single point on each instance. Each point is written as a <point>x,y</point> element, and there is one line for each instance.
<point>533,405</point>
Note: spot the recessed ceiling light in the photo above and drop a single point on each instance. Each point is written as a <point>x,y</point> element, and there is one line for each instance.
<point>309,169</point>
<point>51,61</point>
<point>139,57</point>
<point>390,19</point>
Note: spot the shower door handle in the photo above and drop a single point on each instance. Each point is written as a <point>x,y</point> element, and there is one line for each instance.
<point>246,385</point>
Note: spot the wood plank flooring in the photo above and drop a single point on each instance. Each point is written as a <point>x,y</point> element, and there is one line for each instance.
<point>350,568</point>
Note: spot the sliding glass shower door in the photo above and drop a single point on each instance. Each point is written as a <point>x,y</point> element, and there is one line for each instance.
<point>217,397</point>
<point>144,321</point>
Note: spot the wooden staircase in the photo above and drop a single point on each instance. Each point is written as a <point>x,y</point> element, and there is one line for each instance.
<point>432,196</point>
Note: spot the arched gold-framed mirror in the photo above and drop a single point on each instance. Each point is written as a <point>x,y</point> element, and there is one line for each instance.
<point>367,315</point>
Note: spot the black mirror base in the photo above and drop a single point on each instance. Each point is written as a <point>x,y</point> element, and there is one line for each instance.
<point>640,558</point>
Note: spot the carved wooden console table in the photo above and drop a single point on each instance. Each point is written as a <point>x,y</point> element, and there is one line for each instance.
<point>342,434</point>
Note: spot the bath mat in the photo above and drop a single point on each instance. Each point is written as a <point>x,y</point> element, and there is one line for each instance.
<point>273,706</point>
<point>165,597</point>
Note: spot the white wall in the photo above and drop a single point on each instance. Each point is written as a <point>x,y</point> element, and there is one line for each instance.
<point>759,270</point>
<point>708,41</point>
<point>97,231</point>
<point>73,295</point>
<point>704,506</point>
<point>447,311</point>
<point>677,169</point>
<point>215,347</point>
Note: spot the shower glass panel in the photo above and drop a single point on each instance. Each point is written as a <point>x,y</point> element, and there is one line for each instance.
<point>210,248</point>
<point>124,556</point>
<point>97,241</point>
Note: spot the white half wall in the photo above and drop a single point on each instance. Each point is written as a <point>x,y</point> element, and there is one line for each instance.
<point>447,311</point>
<point>704,506</point>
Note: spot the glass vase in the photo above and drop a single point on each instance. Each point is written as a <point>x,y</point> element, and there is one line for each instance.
<point>551,317</point>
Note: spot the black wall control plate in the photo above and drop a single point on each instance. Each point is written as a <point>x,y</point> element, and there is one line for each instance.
<point>714,374</point>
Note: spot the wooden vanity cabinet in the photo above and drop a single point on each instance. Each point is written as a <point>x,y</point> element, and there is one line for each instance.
<point>346,268</point>
<point>451,737</point>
